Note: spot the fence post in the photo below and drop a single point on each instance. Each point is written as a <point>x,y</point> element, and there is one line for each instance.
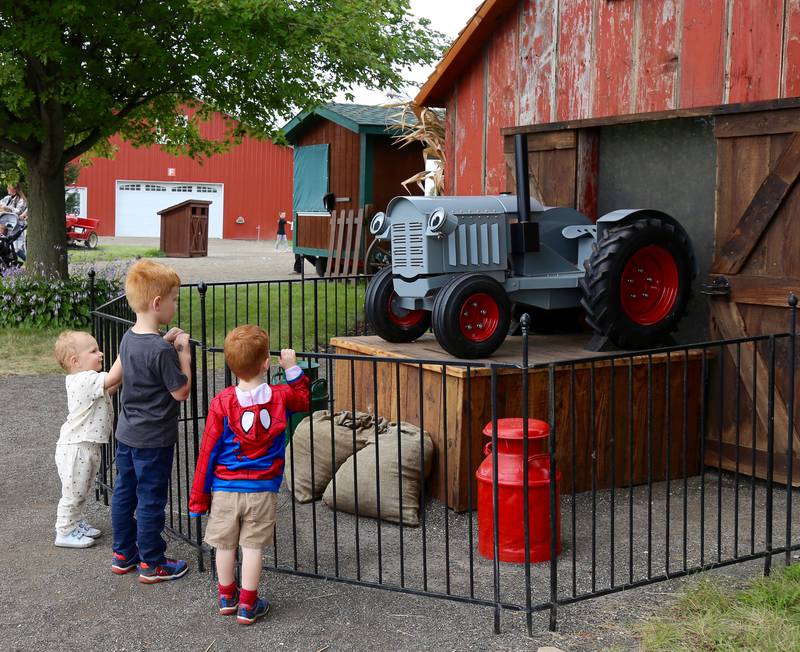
<point>525,323</point>
<point>790,425</point>
<point>92,303</point>
<point>770,456</point>
<point>495,506</point>
<point>202,288</point>
<point>551,409</point>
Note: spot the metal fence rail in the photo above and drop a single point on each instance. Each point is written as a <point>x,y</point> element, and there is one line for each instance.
<point>639,438</point>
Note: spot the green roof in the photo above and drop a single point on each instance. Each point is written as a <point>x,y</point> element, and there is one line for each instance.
<point>358,118</point>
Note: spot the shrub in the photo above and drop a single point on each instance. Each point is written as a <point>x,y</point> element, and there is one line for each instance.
<point>33,300</point>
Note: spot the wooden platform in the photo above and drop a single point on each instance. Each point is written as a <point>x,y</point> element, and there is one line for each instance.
<point>596,446</point>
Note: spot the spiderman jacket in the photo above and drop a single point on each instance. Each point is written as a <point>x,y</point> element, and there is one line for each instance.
<point>243,444</point>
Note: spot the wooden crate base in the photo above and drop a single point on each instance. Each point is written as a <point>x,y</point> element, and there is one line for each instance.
<point>615,425</point>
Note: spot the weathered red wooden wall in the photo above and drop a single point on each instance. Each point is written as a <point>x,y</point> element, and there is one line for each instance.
<point>556,60</point>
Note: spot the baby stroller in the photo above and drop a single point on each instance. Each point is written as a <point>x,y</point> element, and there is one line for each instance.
<point>8,252</point>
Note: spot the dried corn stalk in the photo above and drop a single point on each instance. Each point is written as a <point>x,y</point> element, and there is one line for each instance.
<point>421,124</point>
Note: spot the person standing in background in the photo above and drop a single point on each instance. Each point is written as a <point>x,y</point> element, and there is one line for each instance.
<point>281,235</point>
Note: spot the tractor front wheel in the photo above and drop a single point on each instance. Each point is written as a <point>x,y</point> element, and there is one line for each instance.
<point>638,282</point>
<point>392,322</point>
<point>471,316</point>
<point>91,241</point>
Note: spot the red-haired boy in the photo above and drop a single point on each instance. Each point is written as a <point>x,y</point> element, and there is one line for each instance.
<point>240,466</point>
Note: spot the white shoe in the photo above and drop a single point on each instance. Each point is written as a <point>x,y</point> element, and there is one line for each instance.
<point>75,538</point>
<point>88,530</point>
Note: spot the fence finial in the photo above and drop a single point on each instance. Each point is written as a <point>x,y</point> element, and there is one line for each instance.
<point>201,288</point>
<point>792,300</point>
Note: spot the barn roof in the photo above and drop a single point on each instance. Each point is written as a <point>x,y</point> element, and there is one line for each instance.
<point>358,118</point>
<point>468,43</point>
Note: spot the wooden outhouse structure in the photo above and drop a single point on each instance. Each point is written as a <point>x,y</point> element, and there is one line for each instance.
<point>687,106</point>
<point>347,152</point>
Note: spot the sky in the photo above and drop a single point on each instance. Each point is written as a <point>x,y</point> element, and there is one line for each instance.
<point>447,16</point>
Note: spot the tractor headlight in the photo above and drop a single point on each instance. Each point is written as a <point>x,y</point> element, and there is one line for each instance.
<point>379,225</point>
<point>441,222</point>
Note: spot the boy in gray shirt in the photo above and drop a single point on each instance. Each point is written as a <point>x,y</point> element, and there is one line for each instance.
<point>156,377</point>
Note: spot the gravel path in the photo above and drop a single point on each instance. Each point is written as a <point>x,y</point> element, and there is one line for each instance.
<point>227,260</point>
<point>67,598</point>
<point>59,598</point>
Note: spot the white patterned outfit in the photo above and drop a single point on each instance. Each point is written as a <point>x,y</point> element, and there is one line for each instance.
<point>87,427</point>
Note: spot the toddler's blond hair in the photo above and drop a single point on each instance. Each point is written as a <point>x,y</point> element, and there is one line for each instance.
<point>66,346</point>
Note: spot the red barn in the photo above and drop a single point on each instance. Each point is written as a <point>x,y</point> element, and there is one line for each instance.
<point>686,106</point>
<point>248,186</point>
<point>535,62</point>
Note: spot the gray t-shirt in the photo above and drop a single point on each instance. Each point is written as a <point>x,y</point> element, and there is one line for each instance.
<point>148,416</point>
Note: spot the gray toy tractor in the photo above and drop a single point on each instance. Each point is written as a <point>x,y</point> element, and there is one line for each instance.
<point>459,263</point>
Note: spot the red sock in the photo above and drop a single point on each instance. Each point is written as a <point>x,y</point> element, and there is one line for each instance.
<point>248,598</point>
<point>227,591</point>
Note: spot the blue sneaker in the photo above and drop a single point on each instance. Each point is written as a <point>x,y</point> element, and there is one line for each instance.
<point>228,605</point>
<point>249,615</point>
<point>168,569</point>
<point>120,565</point>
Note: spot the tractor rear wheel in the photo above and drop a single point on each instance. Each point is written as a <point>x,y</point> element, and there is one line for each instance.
<point>91,241</point>
<point>392,322</point>
<point>471,316</point>
<point>321,266</point>
<point>638,281</point>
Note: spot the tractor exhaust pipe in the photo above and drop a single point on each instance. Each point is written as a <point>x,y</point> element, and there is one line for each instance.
<point>523,177</point>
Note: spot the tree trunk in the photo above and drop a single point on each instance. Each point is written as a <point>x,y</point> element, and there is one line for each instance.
<point>47,238</point>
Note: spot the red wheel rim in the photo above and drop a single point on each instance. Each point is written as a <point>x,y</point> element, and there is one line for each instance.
<point>479,317</point>
<point>649,285</point>
<point>400,316</point>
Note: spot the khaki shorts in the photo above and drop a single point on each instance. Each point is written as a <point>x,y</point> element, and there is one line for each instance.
<point>239,519</point>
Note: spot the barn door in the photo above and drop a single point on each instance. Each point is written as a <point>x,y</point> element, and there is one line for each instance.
<point>757,253</point>
<point>563,168</point>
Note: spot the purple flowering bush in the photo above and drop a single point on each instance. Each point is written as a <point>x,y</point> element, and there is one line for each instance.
<point>36,301</point>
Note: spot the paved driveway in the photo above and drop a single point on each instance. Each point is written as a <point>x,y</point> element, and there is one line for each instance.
<point>227,260</point>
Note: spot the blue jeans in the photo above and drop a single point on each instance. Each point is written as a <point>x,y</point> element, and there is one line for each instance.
<point>138,502</point>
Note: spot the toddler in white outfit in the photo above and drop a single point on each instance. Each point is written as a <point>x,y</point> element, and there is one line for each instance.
<point>87,427</point>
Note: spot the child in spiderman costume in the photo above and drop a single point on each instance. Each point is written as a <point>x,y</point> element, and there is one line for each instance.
<point>240,466</point>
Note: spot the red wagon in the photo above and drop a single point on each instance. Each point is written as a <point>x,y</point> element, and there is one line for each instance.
<point>82,229</point>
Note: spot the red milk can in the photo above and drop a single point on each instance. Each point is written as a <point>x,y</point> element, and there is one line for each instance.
<point>510,481</point>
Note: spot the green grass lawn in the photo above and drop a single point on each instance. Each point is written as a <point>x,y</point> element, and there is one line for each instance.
<point>325,308</point>
<point>328,309</point>
<point>112,252</point>
<point>764,616</point>
<point>28,351</point>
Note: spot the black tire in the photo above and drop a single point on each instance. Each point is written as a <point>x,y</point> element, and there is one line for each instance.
<point>91,241</point>
<point>405,326</point>
<point>660,274</point>
<point>462,333</point>
<point>321,265</point>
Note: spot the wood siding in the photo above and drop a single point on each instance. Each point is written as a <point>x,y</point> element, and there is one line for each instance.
<point>391,165</point>
<point>344,159</point>
<point>562,60</point>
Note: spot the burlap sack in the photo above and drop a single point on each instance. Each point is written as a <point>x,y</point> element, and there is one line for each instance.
<point>327,457</point>
<point>364,462</point>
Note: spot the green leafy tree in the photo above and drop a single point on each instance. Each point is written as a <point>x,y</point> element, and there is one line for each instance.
<point>75,72</point>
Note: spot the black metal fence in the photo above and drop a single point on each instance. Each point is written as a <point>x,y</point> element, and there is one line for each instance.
<point>671,461</point>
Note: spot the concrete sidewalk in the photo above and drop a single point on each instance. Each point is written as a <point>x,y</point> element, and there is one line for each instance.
<point>59,598</point>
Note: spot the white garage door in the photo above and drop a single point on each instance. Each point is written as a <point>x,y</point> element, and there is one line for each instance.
<point>138,203</point>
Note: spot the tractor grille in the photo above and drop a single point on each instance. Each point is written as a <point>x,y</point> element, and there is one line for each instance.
<point>407,245</point>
